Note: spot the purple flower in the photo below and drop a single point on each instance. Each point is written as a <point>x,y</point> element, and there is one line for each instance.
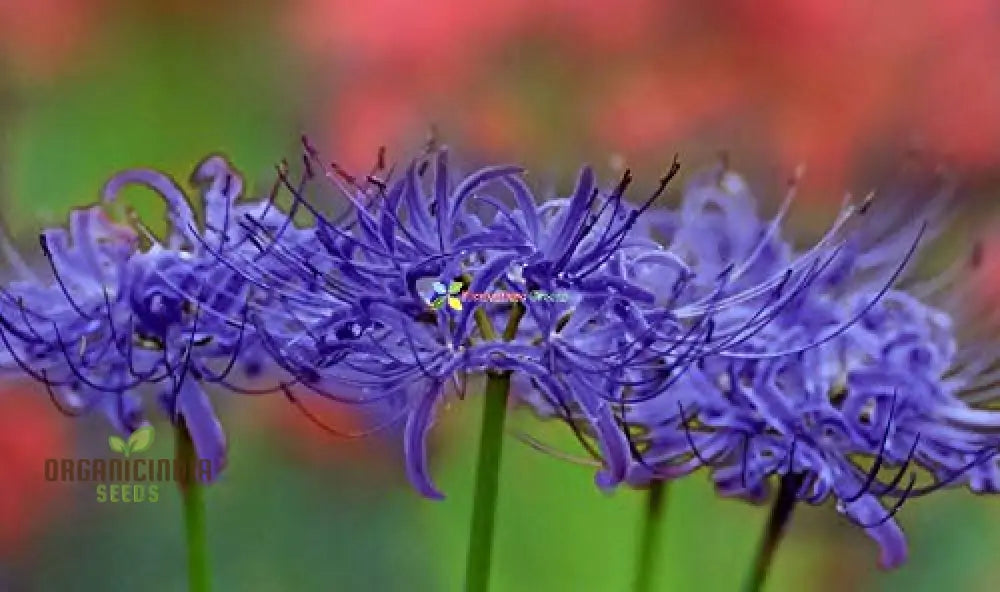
<point>366,332</point>
<point>353,316</point>
<point>848,387</point>
<point>55,329</point>
<point>113,318</point>
<point>688,337</point>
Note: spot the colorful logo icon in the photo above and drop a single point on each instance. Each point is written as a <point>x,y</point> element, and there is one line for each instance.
<point>448,294</point>
<point>140,440</point>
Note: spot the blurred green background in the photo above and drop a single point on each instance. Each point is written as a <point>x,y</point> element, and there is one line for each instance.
<point>88,87</point>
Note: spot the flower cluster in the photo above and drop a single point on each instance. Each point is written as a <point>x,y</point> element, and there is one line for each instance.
<point>689,337</point>
<point>852,390</point>
<point>116,310</point>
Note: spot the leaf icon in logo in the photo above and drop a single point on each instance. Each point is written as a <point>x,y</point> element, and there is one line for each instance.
<point>453,289</point>
<point>141,439</point>
<point>440,295</point>
<point>117,445</point>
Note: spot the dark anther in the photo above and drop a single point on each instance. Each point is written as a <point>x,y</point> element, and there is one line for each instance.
<point>308,173</point>
<point>977,256</point>
<point>432,139</point>
<point>674,167</point>
<point>867,203</point>
<point>307,145</point>
<point>625,181</point>
<point>343,174</point>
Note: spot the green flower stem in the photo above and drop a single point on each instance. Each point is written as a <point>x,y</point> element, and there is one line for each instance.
<point>649,542</point>
<point>781,513</point>
<point>192,493</point>
<point>516,314</point>
<point>477,573</point>
<point>485,326</point>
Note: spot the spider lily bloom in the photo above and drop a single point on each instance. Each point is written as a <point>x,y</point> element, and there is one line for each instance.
<point>371,321</point>
<point>635,318</point>
<point>849,369</point>
<point>362,311</point>
<point>359,309</point>
<point>115,317</point>
<point>352,307</point>
<point>676,287</point>
<point>55,328</point>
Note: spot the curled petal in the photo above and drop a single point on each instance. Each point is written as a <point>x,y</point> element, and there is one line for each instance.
<point>178,209</point>
<point>203,426</point>
<point>417,425</point>
<point>889,536</point>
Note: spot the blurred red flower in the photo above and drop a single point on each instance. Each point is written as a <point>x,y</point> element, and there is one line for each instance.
<point>320,432</point>
<point>31,430</point>
<point>986,277</point>
<point>437,35</point>
<point>812,82</point>
<point>37,37</point>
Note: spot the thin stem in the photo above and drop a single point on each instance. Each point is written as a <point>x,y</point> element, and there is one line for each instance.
<point>477,573</point>
<point>781,513</point>
<point>485,326</point>
<point>649,543</point>
<point>192,492</point>
<point>516,314</point>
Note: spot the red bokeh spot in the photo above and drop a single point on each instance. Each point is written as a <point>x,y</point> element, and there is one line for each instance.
<point>31,430</point>
<point>40,36</point>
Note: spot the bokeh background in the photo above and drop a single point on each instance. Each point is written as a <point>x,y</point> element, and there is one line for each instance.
<point>847,88</point>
